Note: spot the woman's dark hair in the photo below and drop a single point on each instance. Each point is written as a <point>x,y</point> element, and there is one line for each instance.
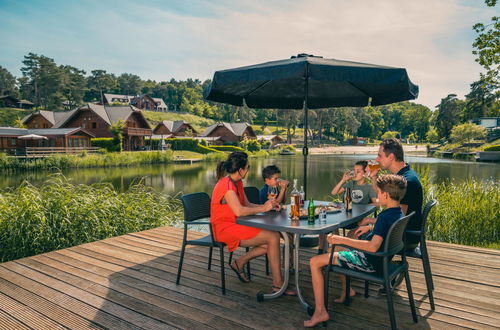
<point>362,163</point>
<point>234,162</point>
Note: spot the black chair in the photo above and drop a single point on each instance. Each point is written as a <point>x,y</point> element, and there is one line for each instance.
<point>253,196</point>
<point>393,244</point>
<point>420,251</point>
<point>197,207</point>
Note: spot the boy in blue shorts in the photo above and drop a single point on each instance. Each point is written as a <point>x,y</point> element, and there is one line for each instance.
<point>390,190</point>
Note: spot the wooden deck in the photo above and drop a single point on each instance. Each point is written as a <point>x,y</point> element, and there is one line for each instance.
<point>129,282</point>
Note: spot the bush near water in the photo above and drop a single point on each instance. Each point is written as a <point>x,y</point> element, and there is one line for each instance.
<point>59,214</point>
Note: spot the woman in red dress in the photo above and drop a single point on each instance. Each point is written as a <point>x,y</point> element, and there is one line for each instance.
<point>228,202</point>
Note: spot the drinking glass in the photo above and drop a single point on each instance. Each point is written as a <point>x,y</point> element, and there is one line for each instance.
<point>372,166</point>
<point>322,214</point>
<point>272,193</point>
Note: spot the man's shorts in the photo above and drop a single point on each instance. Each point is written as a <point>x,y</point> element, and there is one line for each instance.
<point>356,260</point>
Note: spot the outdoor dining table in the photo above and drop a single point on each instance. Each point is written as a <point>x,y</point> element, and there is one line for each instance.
<point>281,222</point>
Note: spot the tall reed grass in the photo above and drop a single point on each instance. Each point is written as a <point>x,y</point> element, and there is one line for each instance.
<point>467,213</point>
<point>86,160</point>
<point>60,214</point>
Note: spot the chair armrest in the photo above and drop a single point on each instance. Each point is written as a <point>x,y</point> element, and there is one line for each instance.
<point>197,223</point>
<point>413,232</point>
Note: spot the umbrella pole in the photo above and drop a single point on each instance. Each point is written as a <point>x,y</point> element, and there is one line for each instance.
<point>305,150</point>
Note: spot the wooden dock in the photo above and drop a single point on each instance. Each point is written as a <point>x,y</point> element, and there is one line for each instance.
<point>129,282</point>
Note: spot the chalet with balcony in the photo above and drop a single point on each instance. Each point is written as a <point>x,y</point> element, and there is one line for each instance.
<point>175,128</point>
<point>274,139</point>
<point>13,102</point>
<point>230,132</point>
<point>97,119</point>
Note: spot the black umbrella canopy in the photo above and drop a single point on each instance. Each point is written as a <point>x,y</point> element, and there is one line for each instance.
<point>310,82</point>
<point>330,83</point>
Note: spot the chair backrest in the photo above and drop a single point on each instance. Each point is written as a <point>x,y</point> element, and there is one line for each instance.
<point>253,194</point>
<point>196,206</point>
<point>425,213</point>
<point>395,237</point>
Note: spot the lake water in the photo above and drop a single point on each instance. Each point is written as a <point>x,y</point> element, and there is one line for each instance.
<point>324,171</point>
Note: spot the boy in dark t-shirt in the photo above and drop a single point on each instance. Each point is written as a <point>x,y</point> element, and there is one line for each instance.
<point>390,190</point>
<point>271,175</point>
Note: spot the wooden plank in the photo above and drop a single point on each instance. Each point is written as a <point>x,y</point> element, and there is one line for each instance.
<point>101,304</point>
<point>28,316</point>
<point>46,307</point>
<point>8,322</point>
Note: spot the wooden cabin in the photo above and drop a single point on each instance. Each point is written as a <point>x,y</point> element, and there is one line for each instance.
<point>230,132</point>
<point>11,143</point>
<point>175,128</point>
<point>97,119</point>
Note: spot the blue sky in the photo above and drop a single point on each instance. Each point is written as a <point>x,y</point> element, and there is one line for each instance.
<point>164,39</point>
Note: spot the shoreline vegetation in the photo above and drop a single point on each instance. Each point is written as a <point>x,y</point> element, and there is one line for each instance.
<point>59,214</point>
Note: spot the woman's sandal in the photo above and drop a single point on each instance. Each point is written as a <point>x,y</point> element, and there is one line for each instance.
<point>289,292</point>
<point>239,272</point>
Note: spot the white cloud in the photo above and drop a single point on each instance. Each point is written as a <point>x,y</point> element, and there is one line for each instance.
<point>432,39</point>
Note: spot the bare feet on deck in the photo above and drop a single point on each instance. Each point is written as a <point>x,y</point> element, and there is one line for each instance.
<point>341,299</point>
<point>315,319</point>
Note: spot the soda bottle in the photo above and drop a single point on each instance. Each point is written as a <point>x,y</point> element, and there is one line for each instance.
<point>295,201</point>
<point>310,211</point>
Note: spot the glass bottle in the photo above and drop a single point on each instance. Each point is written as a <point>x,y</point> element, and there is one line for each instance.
<point>302,196</point>
<point>348,200</point>
<point>295,201</point>
<point>310,211</point>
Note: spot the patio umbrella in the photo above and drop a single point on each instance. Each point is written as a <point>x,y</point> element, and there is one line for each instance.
<point>310,82</point>
<point>32,137</point>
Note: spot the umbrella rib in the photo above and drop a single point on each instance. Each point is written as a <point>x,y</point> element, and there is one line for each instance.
<point>359,89</point>
<point>258,87</point>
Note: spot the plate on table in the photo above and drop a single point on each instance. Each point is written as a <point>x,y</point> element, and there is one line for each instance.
<point>303,213</point>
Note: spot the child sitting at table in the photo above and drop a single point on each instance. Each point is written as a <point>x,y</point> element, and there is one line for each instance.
<point>361,191</point>
<point>390,190</point>
<point>271,175</point>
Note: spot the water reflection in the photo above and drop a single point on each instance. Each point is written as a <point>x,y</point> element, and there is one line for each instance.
<point>324,171</point>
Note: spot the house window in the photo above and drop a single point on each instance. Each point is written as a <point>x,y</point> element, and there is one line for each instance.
<point>83,125</point>
<point>13,142</point>
<point>94,125</point>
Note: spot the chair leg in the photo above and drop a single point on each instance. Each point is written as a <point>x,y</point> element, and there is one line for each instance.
<point>267,266</point>
<point>426,264</point>
<point>181,259</point>
<point>210,258</point>
<point>390,306</point>
<point>347,299</point>
<point>367,289</point>
<point>230,257</point>
<point>410,297</point>
<point>222,276</point>
<point>428,282</point>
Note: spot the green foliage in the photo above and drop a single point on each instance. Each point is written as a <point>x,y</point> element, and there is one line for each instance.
<point>9,116</point>
<point>432,135</point>
<point>189,144</point>
<point>492,148</point>
<point>227,148</point>
<point>7,83</point>
<point>467,213</point>
<point>116,129</point>
<point>487,46</point>
<point>467,132</point>
<point>57,162</point>
<point>448,115</point>
<point>390,134</point>
<point>108,144</point>
<point>59,214</point>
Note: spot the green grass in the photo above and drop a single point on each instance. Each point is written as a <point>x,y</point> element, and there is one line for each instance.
<point>60,214</point>
<point>187,154</point>
<point>198,123</point>
<point>8,116</point>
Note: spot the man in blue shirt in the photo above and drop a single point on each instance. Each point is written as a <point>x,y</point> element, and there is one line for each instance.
<point>391,157</point>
